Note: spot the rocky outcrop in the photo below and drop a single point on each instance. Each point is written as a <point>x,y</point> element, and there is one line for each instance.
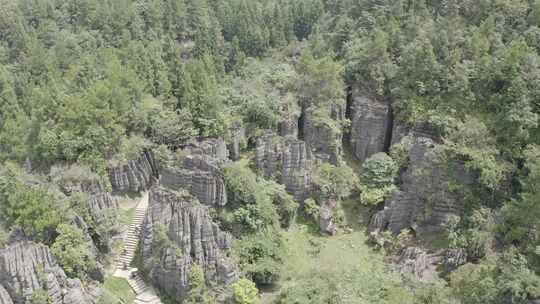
<point>5,298</point>
<point>428,195</point>
<point>423,265</point>
<point>26,268</point>
<point>134,176</point>
<point>419,263</point>
<point>199,172</point>
<point>371,123</point>
<point>327,221</point>
<point>194,239</point>
<point>214,148</point>
<point>420,129</point>
<point>288,160</point>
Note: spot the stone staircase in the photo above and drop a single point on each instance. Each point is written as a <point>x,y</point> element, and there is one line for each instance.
<point>144,293</point>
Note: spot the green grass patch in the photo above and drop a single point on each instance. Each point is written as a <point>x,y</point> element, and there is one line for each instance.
<point>126,216</point>
<point>116,290</point>
<point>339,269</point>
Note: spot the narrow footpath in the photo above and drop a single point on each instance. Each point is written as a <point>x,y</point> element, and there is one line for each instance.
<point>144,293</point>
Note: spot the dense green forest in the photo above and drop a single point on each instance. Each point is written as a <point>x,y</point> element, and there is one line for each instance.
<point>87,86</point>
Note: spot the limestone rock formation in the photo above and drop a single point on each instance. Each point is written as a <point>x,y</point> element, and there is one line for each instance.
<point>420,129</point>
<point>425,200</point>
<point>288,160</point>
<point>199,172</point>
<point>195,239</point>
<point>419,263</point>
<point>327,223</point>
<point>27,267</point>
<point>5,298</point>
<point>215,148</point>
<point>371,123</point>
<point>134,176</point>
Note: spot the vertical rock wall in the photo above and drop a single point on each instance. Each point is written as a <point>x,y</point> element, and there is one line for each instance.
<point>288,161</point>
<point>426,198</point>
<point>371,123</point>
<point>27,267</point>
<point>199,172</point>
<point>195,238</point>
<point>134,176</point>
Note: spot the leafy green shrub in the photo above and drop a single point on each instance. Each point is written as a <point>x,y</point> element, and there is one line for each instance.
<point>474,284</point>
<point>472,140</point>
<point>33,209</point>
<point>260,256</point>
<point>311,208</point>
<point>245,292</point>
<point>40,296</point>
<point>377,178</point>
<point>335,181</point>
<point>260,203</point>
<point>72,251</point>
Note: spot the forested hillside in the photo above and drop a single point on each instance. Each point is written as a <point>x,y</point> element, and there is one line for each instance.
<point>269,151</point>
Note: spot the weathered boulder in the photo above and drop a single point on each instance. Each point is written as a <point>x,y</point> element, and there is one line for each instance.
<point>419,263</point>
<point>27,267</point>
<point>194,239</point>
<point>371,125</point>
<point>428,195</point>
<point>134,176</point>
<point>327,223</point>
<point>288,161</point>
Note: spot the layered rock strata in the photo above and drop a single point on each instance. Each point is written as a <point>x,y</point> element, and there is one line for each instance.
<point>134,176</point>
<point>288,160</point>
<point>199,172</point>
<point>194,239</point>
<point>27,268</point>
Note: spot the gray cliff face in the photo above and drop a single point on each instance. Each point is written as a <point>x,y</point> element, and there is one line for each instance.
<point>425,200</point>
<point>288,161</point>
<point>134,176</point>
<point>196,239</point>
<point>370,123</point>
<point>199,172</point>
<point>27,267</point>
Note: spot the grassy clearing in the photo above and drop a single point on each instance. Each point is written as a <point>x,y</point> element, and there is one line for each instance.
<point>116,290</point>
<point>339,269</point>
